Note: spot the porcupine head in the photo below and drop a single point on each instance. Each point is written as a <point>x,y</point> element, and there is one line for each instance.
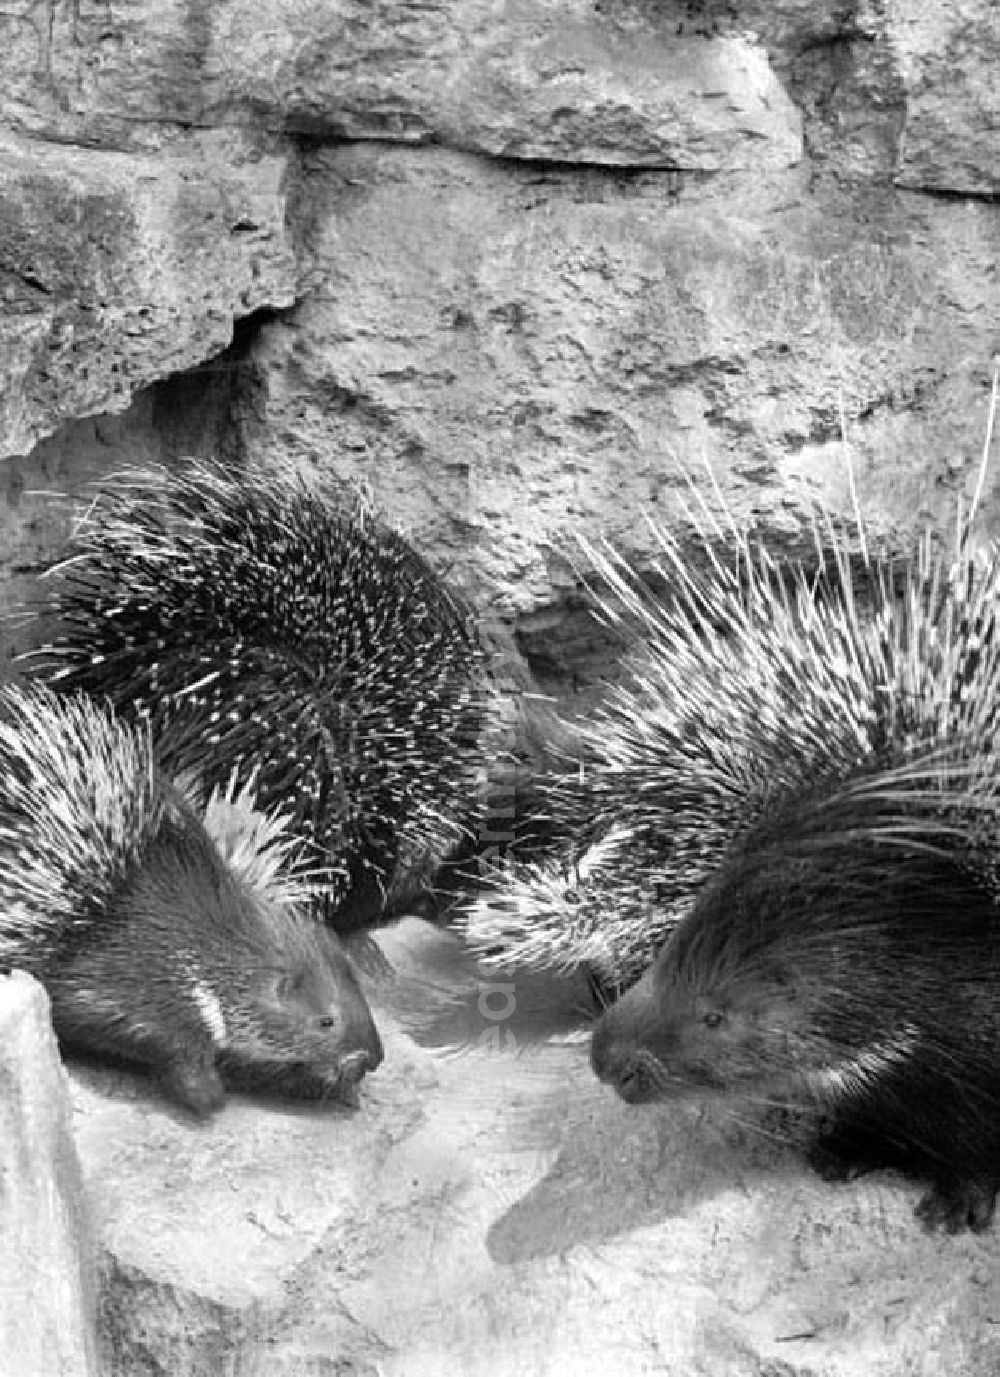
<point>191,974</point>
<point>854,976</point>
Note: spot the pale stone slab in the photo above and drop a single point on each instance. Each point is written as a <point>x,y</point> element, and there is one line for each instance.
<point>46,1246</point>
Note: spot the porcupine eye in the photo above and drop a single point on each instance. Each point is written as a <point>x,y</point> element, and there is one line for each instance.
<point>327,1021</point>
<point>712,1019</point>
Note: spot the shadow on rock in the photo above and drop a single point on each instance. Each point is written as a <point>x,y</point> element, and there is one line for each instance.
<point>620,1168</point>
<point>436,991</point>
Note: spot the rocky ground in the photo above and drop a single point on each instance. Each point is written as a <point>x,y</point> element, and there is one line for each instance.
<point>490,1209</point>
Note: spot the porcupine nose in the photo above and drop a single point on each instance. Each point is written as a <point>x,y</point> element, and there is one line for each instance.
<point>367,1052</point>
<point>623,1068</point>
<point>617,1058</point>
<point>356,1065</point>
<point>610,1055</point>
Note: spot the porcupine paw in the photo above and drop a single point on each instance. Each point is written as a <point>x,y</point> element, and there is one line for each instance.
<point>958,1203</point>
<point>842,1156</point>
<point>195,1084</point>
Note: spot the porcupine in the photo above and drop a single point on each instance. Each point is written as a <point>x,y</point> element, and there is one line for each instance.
<point>846,957</point>
<point>646,792</point>
<point>844,949</point>
<point>749,678</point>
<point>153,951</point>
<point>263,631</point>
<point>811,795</point>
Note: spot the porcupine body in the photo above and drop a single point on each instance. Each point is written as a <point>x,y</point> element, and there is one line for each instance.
<point>154,951</point>
<point>746,679</point>
<point>846,958</point>
<point>264,632</point>
<point>844,949</point>
<point>814,794</point>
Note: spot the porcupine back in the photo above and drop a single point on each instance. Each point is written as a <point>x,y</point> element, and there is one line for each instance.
<point>152,950</point>
<point>265,632</point>
<point>747,678</point>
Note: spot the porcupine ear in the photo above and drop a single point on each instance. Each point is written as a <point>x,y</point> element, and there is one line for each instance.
<point>191,788</point>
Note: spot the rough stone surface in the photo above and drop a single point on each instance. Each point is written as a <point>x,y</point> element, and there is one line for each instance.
<point>116,269</point>
<point>156,252</point>
<point>563,80</point>
<point>905,89</point>
<point>902,92</point>
<point>504,353</point>
<point>495,1211</point>
<point>46,1246</point>
<point>948,57</point>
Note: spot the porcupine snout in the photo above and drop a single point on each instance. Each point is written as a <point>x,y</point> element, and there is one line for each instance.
<point>619,1064</point>
<point>358,1036</point>
<point>364,1045</point>
<point>619,1050</point>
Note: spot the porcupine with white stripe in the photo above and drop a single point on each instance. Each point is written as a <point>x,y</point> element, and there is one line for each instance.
<point>152,949</point>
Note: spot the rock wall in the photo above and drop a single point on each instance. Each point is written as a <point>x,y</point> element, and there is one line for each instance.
<point>515,267</point>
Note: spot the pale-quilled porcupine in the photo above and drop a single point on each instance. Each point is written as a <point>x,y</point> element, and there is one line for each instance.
<point>152,949</point>
<point>748,679</point>
<point>816,793</point>
<point>264,631</point>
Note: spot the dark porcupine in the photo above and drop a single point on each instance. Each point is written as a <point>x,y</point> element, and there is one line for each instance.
<point>154,951</point>
<point>749,680</point>
<point>264,632</point>
<point>843,949</point>
<point>846,957</point>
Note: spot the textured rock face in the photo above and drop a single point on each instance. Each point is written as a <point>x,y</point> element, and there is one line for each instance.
<point>947,59</point>
<point>562,81</point>
<point>543,256</point>
<point>117,269</point>
<point>46,1251</point>
<point>564,347</point>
